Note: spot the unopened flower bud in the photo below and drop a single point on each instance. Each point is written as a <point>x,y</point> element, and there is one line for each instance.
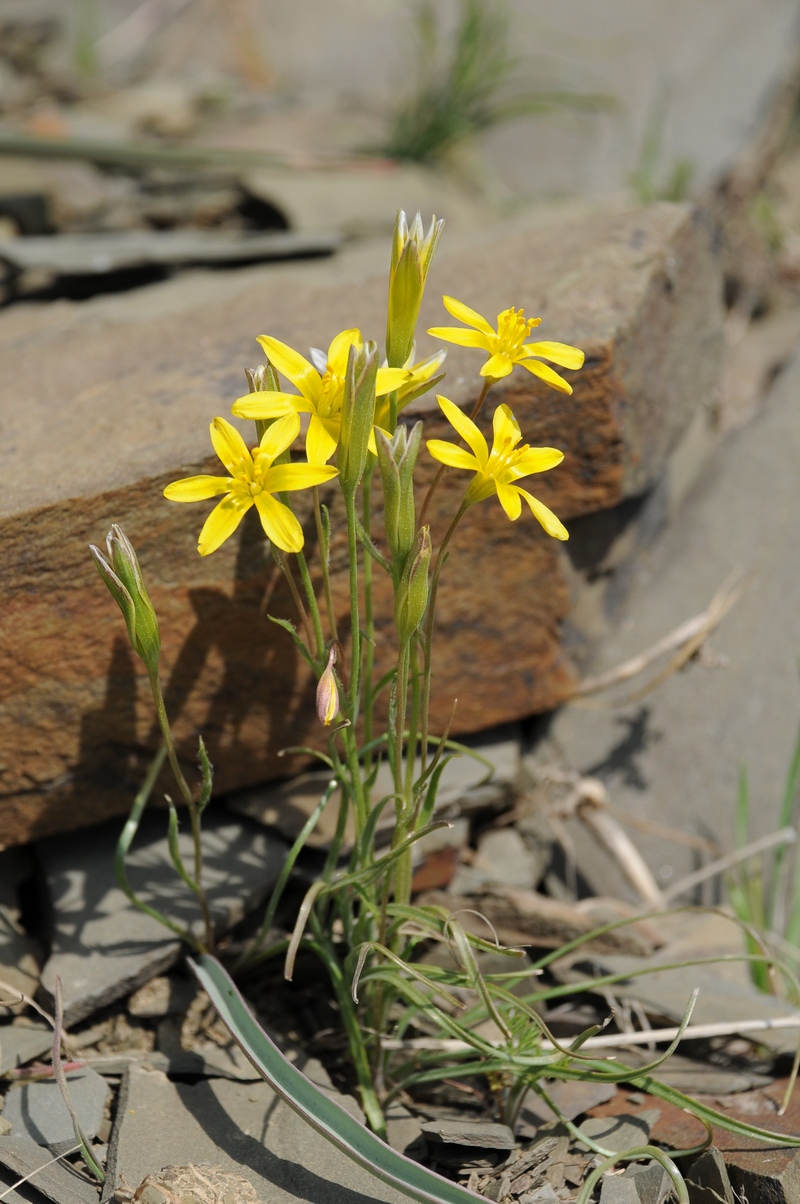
<point>123,576</point>
<point>358,414</point>
<point>396,458</point>
<point>412,252</point>
<point>328,691</point>
<point>411,598</point>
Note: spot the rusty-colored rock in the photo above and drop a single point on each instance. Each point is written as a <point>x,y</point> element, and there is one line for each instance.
<point>100,413</point>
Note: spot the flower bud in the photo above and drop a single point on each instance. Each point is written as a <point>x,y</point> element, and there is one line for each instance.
<point>358,414</point>
<point>412,252</point>
<point>411,597</point>
<point>397,457</point>
<point>123,576</point>
<point>328,691</point>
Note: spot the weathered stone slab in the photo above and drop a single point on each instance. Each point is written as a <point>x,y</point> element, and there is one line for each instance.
<point>103,947</point>
<point>125,407</point>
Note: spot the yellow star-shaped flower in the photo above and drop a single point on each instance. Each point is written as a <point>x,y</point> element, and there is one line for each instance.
<point>254,479</point>
<point>321,394</point>
<point>498,470</point>
<point>507,346</point>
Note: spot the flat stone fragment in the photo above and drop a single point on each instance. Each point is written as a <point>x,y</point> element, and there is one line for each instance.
<point>623,1132</point>
<point>479,1134</point>
<point>572,1097</point>
<point>37,1110</point>
<point>56,1181</point>
<point>103,947</point>
<point>21,1043</point>
<point>241,1127</point>
<point>639,291</point>
<point>707,1179</point>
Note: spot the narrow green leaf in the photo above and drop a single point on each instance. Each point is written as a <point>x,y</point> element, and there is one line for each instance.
<point>323,1114</point>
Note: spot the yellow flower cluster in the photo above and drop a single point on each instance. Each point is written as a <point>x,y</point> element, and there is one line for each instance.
<point>257,475</point>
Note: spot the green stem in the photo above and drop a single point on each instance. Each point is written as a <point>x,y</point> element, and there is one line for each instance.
<point>325,565</point>
<point>188,798</point>
<point>369,621</point>
<point>413,724</point>
<point>283,565</point>
<point>428,634</point>
<point>312,603</point>
<point>355,621</point>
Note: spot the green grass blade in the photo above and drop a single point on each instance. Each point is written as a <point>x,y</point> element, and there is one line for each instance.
<point>322,1114</point>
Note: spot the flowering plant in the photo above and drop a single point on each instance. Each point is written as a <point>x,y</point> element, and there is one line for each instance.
<point>358,918</point>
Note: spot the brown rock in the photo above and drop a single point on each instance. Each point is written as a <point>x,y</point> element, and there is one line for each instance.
<point>101,412</point>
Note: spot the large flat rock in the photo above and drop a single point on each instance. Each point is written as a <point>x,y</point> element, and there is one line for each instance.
<point>676,756</point>
<point>104,404</point>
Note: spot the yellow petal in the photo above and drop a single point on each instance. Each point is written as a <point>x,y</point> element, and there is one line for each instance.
<point>464,314</point>
<point>228,444</point>
<point>297,476</point>
<point>505,428</point>
<point>320,442</point>
<point>452,456</point>
<point>497,366</point>
<point>264,405</point>
<point>456,334</point>
<point>197,489</point>
<point>510,500</point>
<point>547,374</point>
<point>222,522</point>
<point>280,525</point>
<point>389,379</point>
<point>559,353</point>
<point>339,350</point>
<point>466,428</point>
<point>537,459</point>
<point>552,525</point>
<point>294,366</point>
<point>279,436</point>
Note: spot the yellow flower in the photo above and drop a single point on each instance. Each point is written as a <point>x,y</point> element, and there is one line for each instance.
<point>496,471</point>
<point>419,379</point>
<point>506,345</point>
<point>321,393</point>
<point>253,480</point>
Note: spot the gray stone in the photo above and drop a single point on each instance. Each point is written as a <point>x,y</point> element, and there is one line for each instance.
<point>623,1132</point>
<point>545,1194</point>
<point>56,1181</point>
<point>403,1129</point>
<point>476,1134</point>
<point>241,1127</point>
<point>572,1097</point>
<point>38,1111</point>
<point>707,1179</point>
<point>676,756</point>
<point>653,1184</point>
<point>102,946</point>
<point>21,1042</point>
<point>95,254</point>
<point>502,856</point>
<point>162,996</point>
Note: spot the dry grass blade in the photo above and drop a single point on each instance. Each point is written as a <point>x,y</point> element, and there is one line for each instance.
<point>781,837</point>
<point>26,1178</point>
<point>687,639</point>
<point>693,1032</point>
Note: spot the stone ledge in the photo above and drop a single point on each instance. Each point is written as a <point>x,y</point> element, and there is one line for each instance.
<point>124,409</point>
